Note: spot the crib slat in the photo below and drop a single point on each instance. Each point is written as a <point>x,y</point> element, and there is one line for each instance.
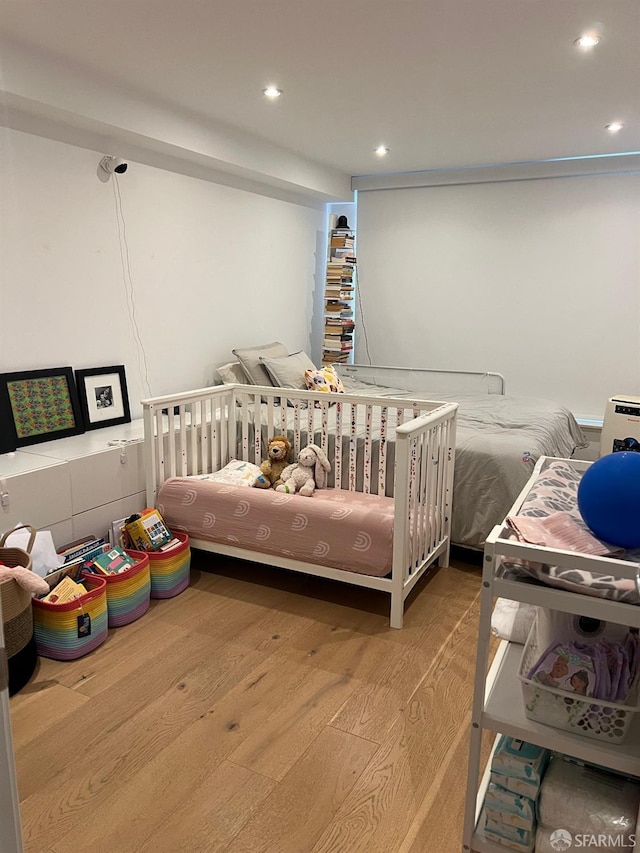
<point>245,431</point>
<point>214,440</point>
<point>160,455</point>
<point>353,447</point>
<point>424,525</point>
<point>382,452</point>
<point>181,445</point>
<point>227,429</point>
<point>311,409</point>
<point>296,428</point>
<point>337,450</point>
<point>366,461</point>
<point>270,419</point>
<point>170,463</point>
<point>324,429</point>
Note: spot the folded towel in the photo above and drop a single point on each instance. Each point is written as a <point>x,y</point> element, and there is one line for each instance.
<point>559,530</point>
<point>512,620</point>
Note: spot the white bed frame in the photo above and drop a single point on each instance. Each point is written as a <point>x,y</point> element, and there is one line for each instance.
<point>209,426</point>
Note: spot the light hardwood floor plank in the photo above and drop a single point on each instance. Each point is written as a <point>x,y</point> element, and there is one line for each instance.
<point>437,824</point>
<point>293,816</point>
<point>395,783</point>
<point>28,719</point>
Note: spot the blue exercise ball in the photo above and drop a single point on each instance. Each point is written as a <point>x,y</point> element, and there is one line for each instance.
<point>609,498</point>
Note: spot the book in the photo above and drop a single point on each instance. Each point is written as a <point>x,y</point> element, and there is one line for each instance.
<point>66,590</point>
<point>70,553</point>
<point>147,530</point>
<point>113,561</point>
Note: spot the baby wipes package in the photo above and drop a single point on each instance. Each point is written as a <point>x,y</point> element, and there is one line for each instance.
<point>510,809</point>
<point>520,760</point>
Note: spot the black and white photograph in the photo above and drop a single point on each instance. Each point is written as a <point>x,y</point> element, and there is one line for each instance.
<point>103,396</point>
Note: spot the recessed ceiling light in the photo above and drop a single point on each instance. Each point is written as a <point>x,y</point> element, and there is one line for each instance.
<point>381,150</point>
<point>587,41</point>
<point>614,127</point>
<point>272,92</point>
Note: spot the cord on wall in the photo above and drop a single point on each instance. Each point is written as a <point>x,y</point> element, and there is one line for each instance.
<point>127,279</point>
<point>364,325</point>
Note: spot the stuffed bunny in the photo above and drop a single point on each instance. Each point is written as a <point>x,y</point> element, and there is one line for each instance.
<point>307,474</point>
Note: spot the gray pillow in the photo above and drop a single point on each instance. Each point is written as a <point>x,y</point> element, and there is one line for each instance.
<point>232,374</point>
<point>249,358</point>
<point>288,371</point>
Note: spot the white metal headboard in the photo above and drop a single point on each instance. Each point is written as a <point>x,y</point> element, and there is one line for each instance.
<point>425,380</point>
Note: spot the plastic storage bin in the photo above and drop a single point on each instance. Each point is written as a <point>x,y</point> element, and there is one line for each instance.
<point>75,628</point>
<point>128,593</point>
<point>593,718</point>
<point>170,569</point>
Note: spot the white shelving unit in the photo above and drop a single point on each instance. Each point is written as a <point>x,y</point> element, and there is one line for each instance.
<point>497,703</point>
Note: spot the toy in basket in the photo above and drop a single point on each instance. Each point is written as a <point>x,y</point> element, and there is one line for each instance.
<point>128,586</point>
<point>69,629</point>
<point>552,681</point>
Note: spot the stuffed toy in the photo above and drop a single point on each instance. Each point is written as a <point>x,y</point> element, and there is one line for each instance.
<point>25,577</point>
<point>278,457</point>
<point>307,474</point>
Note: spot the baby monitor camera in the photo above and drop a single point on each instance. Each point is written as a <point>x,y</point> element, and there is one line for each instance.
<point>113,164</point>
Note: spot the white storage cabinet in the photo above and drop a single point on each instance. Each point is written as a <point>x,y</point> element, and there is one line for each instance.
<point>497,702</point>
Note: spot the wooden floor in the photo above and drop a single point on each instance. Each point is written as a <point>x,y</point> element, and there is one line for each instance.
<point>260,710</point>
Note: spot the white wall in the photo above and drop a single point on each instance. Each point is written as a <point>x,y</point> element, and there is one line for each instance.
<point>537,279</point>
<point>211,267</point>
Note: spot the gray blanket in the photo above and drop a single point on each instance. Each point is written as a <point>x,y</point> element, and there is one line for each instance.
<point>499,440</point>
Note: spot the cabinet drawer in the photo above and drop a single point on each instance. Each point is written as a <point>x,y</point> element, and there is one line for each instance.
<point>41,497</point>
<point>97,521</point>
<point>102,478</point>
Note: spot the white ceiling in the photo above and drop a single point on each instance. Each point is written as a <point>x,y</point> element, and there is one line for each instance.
<point>442,83</point>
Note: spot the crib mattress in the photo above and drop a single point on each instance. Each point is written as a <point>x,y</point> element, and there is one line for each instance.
<point>334,527</point>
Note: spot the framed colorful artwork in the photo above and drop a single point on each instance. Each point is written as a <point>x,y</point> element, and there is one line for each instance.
<point>103,396</point>
<point>38,405</point>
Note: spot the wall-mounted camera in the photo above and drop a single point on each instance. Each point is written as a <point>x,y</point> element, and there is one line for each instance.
<point>108,165</point>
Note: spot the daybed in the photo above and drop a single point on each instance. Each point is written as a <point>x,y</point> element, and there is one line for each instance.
<point>499,437</point>
<point>351,531</point>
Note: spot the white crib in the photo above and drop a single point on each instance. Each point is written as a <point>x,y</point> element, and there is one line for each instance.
<point>376,446</point>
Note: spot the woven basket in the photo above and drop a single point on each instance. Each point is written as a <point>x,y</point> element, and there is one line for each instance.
<point>170,570</point>
<point>128,593</point>
<point>17,615</point>
<point>57,628</point>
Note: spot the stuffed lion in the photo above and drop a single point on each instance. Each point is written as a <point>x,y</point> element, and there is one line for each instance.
<point>278,456</point>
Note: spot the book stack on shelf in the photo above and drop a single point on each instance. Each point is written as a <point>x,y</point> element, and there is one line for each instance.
<point>339,295</point>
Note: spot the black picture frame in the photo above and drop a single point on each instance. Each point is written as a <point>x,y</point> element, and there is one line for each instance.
<point>38,406</point>
<point>104,400</point>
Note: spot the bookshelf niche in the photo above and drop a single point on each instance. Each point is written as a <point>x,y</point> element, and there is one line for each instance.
<point>339,294</point>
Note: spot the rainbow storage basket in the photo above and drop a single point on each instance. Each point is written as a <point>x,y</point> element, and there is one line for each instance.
<point>128,593</point>
<point>170,570</point>
<point>75,628</point>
